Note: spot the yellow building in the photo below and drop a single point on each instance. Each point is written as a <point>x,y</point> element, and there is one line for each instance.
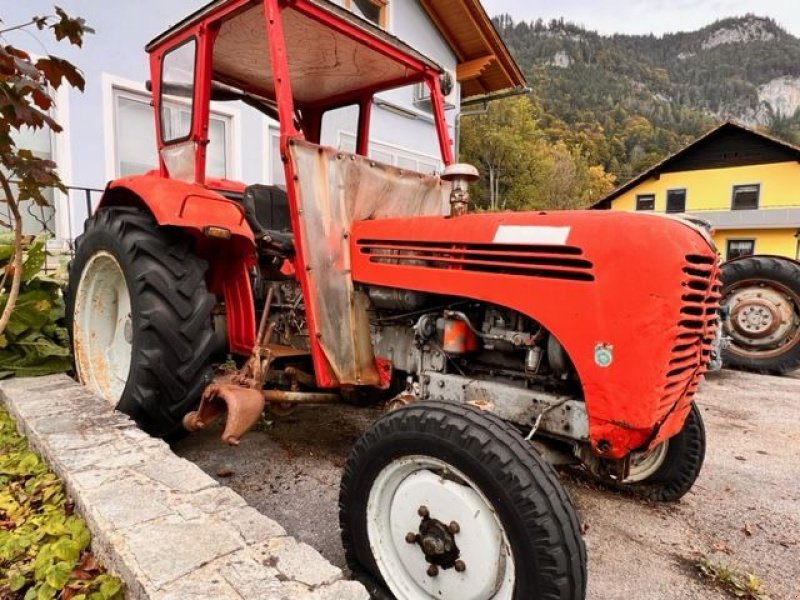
<point>743,182</point>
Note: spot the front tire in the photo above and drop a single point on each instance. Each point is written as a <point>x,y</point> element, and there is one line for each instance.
<point>669,471</point>
<point>488,517</point>
<point>139,316</point>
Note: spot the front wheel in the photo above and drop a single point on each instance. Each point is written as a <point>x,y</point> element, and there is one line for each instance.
<point>667,472</point>
<point>445,501</point>
<point>139,316</point>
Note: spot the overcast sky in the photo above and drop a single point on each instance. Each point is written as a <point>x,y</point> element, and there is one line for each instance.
<point>647,16</point>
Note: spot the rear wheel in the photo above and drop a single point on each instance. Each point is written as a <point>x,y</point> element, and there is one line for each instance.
<point>140,318</point>
<point>762,297</point>
<point>445,501</point>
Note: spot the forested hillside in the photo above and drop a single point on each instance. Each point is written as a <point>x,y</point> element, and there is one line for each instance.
<point>618,104</point>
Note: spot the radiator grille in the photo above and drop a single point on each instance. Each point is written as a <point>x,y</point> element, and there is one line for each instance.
<point>697,327</point>
<point>553,262</point>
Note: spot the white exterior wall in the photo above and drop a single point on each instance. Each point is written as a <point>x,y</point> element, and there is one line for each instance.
<point>114,58</point>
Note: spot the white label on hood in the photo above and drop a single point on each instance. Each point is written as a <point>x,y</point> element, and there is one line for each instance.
<point>532,234</point>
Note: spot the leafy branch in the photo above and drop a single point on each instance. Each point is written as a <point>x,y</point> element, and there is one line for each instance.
<point>26,99</point>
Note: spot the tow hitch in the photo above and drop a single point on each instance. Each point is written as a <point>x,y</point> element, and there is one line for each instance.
<point>242,396</point>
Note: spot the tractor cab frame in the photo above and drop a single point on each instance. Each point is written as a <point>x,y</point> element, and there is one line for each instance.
<point>296,61</point>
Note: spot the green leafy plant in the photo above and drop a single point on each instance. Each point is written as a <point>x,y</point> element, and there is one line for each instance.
<point>44,546</point>
<point>34,341</point>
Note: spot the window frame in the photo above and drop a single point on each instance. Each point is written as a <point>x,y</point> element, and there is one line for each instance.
<point>134,90</point>
<point>729,241</point>
<point>383,7</point>
<point>396,151</point>
<point>640,197</point>
<point>746,185</point>
<point>667,207</point>
<point>190,102</point>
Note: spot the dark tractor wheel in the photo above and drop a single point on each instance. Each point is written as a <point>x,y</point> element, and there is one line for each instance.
<point>668,472</point>
<point>762,298</point>
<point>139,316</point>
<point>444,501</point>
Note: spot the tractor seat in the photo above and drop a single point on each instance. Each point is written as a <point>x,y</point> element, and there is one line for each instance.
<point>266,208</point>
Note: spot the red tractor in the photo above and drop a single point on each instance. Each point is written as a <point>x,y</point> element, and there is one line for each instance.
<point>496,340</point>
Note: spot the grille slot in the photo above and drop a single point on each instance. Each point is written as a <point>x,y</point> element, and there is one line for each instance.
<point>550,262</point>
<point>697,328</point>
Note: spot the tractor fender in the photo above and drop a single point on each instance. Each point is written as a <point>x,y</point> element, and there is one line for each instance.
<point>181,204</point>
<point>193,208</point>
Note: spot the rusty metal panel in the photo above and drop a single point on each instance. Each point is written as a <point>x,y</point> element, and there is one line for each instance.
<point>334,189</point>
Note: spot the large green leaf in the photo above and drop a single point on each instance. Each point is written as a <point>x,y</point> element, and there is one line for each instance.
<point>34,342</point>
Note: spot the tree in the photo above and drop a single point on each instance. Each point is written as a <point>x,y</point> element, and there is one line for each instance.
<point>522,168</point>
<point>26,88</point>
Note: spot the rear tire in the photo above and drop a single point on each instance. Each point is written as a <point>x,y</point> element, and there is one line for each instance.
<point>754,346</point>
<point>435,452</point>
<point>168,327</point>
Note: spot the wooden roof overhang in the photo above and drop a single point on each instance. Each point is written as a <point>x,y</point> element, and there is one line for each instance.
<point>485,65</point>
<point>334,57</point>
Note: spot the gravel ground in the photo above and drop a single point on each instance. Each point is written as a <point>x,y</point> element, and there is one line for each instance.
<point>744,511</point>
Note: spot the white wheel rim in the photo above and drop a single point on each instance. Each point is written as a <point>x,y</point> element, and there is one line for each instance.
<point>102,327</point>
<point>645,464</point>
<point>399,490</point>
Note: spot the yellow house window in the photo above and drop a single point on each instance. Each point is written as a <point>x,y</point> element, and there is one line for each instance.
<point>737,248</point>
<point>375,11</point>
<point>676,201</point>
<point>745,197</point>
<point>645,202</point>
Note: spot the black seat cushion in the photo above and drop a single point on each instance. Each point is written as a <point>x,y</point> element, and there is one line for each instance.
<point>271,205</point>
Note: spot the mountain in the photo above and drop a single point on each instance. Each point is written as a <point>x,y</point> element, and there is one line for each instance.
<point>626,101</point>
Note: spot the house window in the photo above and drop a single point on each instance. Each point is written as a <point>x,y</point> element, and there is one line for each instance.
<point>135,138</point>
<point>390,154</point>
<point>375,11</point>
<point>737,248</point>
<point>35,219</point>
<point>745,197</point>
<point>276,163</point>
<point>676,201</point>
<point>645,202</point>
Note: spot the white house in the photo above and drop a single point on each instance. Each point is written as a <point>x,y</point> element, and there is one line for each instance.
<point>109,129</point>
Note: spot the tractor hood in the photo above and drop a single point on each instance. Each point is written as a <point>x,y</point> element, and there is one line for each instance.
<point>639,288</point>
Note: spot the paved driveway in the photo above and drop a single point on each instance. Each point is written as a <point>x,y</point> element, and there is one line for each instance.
<point>743,512</point>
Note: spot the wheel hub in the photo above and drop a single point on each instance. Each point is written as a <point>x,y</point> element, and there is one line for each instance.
<point>761,317</point>
<point>646,464</point>
<point>436,540</point>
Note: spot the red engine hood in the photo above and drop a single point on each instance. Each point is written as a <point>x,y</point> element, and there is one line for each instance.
<point>640,287</point>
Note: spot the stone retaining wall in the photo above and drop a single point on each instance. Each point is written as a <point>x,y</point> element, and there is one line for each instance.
<point>157,521</point>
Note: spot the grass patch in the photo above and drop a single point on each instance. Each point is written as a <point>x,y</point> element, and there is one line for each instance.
<point>745,586</point>
<point>44,547</point>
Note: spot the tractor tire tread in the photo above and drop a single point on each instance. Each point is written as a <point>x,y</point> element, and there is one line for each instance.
<point>170,363</point>
<point>545,507</point>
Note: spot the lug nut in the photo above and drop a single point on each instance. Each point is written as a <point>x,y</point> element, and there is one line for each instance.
<point>454,527</point>
<point>433,571</point>
<point>423,512</point>
<point>460,566</point>
<point>411,537</point>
